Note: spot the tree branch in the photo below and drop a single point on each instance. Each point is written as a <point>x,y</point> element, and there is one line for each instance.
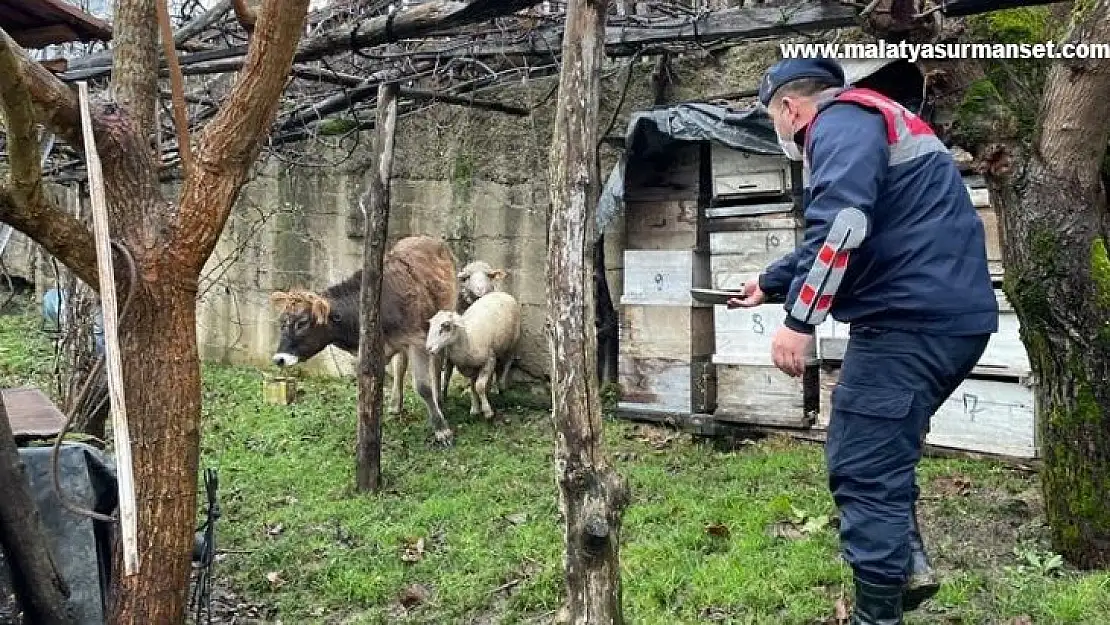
<point>25,205</point>
<point>230,143</point>
<point>245,14</point>
<point>55,103</point>
<point>177,86</point>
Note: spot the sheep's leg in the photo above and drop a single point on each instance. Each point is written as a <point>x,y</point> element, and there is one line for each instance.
<point>503,380</point>
<point>481,385</point>
<point>424,376</point>
<point>448,370</point>
<point>397,393</point>
<point>475,401</point>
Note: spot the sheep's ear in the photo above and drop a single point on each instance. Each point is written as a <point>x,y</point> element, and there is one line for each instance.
<point>497,274</point>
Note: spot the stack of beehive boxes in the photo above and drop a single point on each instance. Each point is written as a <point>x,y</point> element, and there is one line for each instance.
<point>752,221</point>
<point>666,337</point>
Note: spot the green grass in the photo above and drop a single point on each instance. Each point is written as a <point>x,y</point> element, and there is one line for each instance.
<point>697,541</point>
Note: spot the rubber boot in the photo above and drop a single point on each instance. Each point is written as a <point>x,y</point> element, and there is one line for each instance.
<point>922,583</point>
<point>877,605</point>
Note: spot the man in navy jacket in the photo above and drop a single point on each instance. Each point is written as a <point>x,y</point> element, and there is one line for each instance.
<point>894,247</point>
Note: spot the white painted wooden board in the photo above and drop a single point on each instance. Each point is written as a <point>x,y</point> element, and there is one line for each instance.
<point>664,277</point>
<point>990,416</point>
<point>737,256</point>
<point>743,336</point>
<point>982,415</point>
<point>759,394</point>
<point>673,332</point>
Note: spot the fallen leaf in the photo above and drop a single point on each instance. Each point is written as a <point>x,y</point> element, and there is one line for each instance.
<point>275,530</point>
<point>718,530</point>
<point>785,529</point>
<point>274,577</point>
<point>842,611</point>
<point>952,485</point>
<point>815,524</point>
<point>1021,620</point>
<point>414,551</point>
<point>517,519</point>
<point>414,595</point>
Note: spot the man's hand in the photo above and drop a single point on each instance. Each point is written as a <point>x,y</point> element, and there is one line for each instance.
<point>789,349</point>
<point>751,296</point>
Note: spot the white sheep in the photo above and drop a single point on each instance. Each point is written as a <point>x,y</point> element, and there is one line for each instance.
<point>480,342</point>
<point>476,279</point>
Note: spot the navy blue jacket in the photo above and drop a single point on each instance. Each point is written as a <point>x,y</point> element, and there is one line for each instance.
<point>922,264</point>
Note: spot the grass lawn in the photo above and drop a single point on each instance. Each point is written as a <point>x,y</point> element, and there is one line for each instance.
<point>471,534</point>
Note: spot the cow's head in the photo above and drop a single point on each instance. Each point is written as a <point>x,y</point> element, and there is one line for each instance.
<point>443,329</point>
<point>477,279</point>
<point>305,322</point>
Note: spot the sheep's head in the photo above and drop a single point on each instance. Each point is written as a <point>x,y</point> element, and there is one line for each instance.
<point>443,330</point>
<point>478,278</point>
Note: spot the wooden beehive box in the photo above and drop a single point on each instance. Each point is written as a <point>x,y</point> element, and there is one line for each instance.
<point>740,177</point>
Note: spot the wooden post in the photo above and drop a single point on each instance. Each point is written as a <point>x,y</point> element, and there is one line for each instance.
<point>592,496</point>
<point>40,588</point>
<point>371,360</point>
<point>128,516</point>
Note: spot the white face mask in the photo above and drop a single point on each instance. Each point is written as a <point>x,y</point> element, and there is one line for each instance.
<point>791,149</point>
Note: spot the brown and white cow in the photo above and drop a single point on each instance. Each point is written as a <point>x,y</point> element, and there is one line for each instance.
<point>418,279</point>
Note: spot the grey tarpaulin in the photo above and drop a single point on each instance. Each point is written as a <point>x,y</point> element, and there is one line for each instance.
<point>81,545</point>
<point>656,130</point>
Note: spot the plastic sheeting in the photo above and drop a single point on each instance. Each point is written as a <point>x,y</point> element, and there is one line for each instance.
<point>80,545</point>
<point>653,131</point>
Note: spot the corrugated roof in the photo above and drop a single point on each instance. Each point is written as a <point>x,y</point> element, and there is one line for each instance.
<point>40,23</point>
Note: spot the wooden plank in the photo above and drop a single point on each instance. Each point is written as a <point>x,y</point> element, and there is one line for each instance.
<point>760,395</point>
<point>739,255</point>
<point>720,212</point>
<point>666,385</point>
<point>661,225</point>
<point>671,332</point>
<point>121,436</point>
<point>31,414</point>
<point>982,415</point>
<point>743,336</point>
<point>994,242</point>
<point>990,416</point>
<point>664,277</point>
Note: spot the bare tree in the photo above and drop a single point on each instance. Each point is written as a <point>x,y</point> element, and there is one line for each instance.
<point>592,496</point>
<point>1054,223</point>
<point>169,240</point>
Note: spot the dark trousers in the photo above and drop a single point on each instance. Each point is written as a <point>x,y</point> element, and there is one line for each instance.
<point>890,385</point>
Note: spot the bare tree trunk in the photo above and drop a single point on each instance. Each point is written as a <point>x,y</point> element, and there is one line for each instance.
<point>371,359</point>
<point>1054,228</point>
<point>592,496</point>
<point>37,582</point>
